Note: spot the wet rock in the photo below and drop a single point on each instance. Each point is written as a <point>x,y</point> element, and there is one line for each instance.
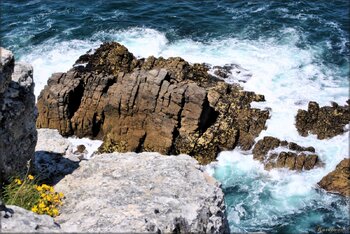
<point>137,193</point>
<point>325,122</point>
<point>153,104</point>
<point>277,154</point>
<point>18,220</point>
<point>232,73</point>
<point>18,134</point>
<point>80,149</point>
<point>338,181</point>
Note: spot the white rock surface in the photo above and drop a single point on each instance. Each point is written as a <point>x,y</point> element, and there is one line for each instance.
<point>19,220</point>
<point>49,140</point>
<point>144,192</point>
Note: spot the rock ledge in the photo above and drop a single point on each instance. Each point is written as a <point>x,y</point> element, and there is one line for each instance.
<point>140,193</point>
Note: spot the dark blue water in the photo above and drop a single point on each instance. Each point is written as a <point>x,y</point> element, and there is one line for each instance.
<point>295,51</point>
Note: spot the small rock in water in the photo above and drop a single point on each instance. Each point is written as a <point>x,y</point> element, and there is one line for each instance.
<point>80,149</point>
<point>325,122</point>
<point>276,154</point>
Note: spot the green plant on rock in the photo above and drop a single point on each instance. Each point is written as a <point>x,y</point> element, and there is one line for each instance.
<point>26,193</point>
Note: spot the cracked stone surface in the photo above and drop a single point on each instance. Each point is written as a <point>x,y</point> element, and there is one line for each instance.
<point>14,219</point>
<point>338,181</point>
<point>154,104</point>
<point>325,122</point>
<point>18,114</point>
<point>138,193</point>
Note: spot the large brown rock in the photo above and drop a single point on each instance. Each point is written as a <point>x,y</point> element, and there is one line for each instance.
<point>338,181</point>
<point>325,122</point>
<point>277,154</point>
<point>163,105</point>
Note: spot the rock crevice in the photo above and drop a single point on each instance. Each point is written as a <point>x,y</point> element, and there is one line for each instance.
<point>154,104</point>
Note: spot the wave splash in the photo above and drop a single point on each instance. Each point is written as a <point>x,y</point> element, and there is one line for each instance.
<point>289,76</point>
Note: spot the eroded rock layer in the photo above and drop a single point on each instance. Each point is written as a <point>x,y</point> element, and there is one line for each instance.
<point>277,154</point>
<point>163,105</point>
<point>338,181</point>
<point>325,122</point>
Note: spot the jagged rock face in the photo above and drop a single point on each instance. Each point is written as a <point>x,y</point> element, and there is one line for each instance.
<point>277,154</point>
<point>18,134</point>
<point>162,105</point>
<point>325,122</point>
<point>138,193</point>
<point>338,181</point>
<point>15,219</point>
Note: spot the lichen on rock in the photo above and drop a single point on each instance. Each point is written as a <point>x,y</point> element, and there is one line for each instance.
<point>325,122</point>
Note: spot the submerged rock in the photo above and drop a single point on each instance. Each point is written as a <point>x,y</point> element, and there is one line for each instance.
<point>18,134</point>
<point>338,181</point>
<point>232,72</point>
<point>277,154</point>
<point>137,193</point>
<point>18,220</point>
<point>325,122</point>
<point>162,105</point>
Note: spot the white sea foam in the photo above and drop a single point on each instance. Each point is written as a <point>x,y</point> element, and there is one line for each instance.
<point>287,75</point>
<point>91,145</point>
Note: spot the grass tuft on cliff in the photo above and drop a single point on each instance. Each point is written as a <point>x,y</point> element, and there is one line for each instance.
<point>26,193</point>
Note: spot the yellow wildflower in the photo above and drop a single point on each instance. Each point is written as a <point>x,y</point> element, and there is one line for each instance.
<point>35,209</point>
<point>45,187</point>
<point>30,177</point>
<point>41,205</point>
<point>60,194</point>
<point>52,189</point>
<point>54,212</point>
<point>39,188</point>
<point>18,181</point>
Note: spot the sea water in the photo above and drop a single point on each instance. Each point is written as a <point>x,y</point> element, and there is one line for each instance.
<point>292,52</point>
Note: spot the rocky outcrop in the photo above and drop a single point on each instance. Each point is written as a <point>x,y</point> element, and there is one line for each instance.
<point>325,122</point>
<point>162,105</point>
<point>137,193</point>
<point>274,153</point>
<point>338,181</point>
<point>14,219</point>
<point>17,117</point>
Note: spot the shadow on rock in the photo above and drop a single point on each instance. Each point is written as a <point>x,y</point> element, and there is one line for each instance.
<point>51,167</point>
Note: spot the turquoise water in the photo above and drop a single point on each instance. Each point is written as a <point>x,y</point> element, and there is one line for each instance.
<point>292,51</point>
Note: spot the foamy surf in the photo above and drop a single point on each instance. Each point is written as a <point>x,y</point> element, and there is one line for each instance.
<point>288,76</point>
